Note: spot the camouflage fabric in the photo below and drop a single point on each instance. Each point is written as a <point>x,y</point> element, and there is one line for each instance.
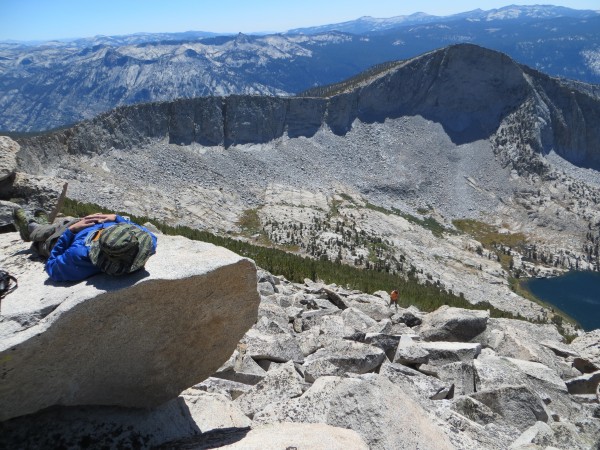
<point>120,249</point>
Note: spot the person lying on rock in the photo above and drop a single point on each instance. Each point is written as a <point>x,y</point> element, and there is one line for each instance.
<point>79,248</point>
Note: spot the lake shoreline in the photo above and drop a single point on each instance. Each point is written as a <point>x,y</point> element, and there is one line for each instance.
<point>574,296</point>
<point>523,286</point>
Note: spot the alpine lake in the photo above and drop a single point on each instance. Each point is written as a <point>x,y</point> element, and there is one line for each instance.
<point>577,294</point>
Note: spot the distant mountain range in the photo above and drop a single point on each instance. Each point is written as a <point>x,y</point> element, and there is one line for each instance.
<point>58,83</point>
<point>368,24</point>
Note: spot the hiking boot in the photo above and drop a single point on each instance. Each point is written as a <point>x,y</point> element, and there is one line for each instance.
<point>40,217</point>
<point>21,221</point>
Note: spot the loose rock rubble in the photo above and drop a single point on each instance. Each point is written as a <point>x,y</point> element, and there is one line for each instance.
<point>498,383</point>
<point>454,379</point>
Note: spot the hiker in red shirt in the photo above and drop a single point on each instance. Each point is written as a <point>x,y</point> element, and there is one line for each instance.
<point>394,298</point>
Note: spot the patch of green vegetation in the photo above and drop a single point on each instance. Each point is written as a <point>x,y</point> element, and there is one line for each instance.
<point>296,268</point>
<point>334,208</point>
<point>492,240</point>
<point>249,222</point>
<point>429,223</point>
<point>488,235</point>
<point>375,248</point>
<point>378,208</point>
<point>346,197</point>
<point>516,285</point>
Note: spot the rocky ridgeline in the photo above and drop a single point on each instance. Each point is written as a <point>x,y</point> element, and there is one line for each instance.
<point>474,93</point>
<point>325,367</point>
<point>466,131</point>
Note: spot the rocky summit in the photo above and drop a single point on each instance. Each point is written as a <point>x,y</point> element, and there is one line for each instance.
<point>322,378</point>
<point>459,171</point>
<point>133,341</point>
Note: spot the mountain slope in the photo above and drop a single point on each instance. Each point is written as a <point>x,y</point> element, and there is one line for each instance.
<point>376,175</point>
<point>469,90</point>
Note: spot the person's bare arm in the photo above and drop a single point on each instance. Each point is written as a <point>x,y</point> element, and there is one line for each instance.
<point>83,223</point>
<point>101,218</point>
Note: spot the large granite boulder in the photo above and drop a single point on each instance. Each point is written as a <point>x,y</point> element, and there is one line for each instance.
<point>522,340</point>
<point>375,307</point>
<point>340,357</point>
<point>135,341</point>
<point>584,384</point>
<point>453,324</point>
<point>278,385</point>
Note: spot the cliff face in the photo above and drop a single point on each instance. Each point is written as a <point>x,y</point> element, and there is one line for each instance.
<point>472,92</point>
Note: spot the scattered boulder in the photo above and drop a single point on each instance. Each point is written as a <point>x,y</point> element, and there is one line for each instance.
<point>584,435</point>
<point>264,276</point>
<point>309,341</point>
<point>493,371</point>
<point>474,410</point>
<point>313,318</point>
<point>413,381</point>
<point>386,342</point>
<point>560,349</point>
<point>460,374</point>
<point>265,288</point>
<point>522,340</point>
<point>588,347</point>
<point>231,389</point>
<point>357,320</point>
<point>271,310</point>
<point>335,298</point>
<point>102,341</point>
<point>408,353</point>
<point>274,346</point>
<point>584,384</point>
<point>31,191</point>
<point>453,324</point>
<point>383,326</point>
<point>334,326</point>
<point>278,385</point>
<point>441,353</point>
<point>535,434</point>
<point>373,306</point>
<point>241,368</point>
<point>584,365</point>
<point>407,317</point>
<point>380,412</point>
<point>6,213</point>
<point>518,405</point>
<point>340,357</point>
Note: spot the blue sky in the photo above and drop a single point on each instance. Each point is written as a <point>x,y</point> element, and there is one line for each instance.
<point>53,19</point>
